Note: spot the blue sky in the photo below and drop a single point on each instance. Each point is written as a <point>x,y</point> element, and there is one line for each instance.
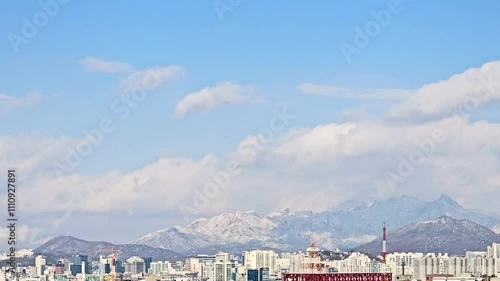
<point>275,45</point>
<point>272,46</point>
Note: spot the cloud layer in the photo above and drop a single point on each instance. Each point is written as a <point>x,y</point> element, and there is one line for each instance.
<point>8,102</point>
<point>152,78</point>
<point>210,97</point>
<point>104,66</point>
<point>460,94</point>
<point>308,167</point>
<point>344,160</point>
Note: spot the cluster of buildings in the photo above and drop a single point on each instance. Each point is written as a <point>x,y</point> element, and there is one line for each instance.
<point>267,265</point>
<point>473,264</point>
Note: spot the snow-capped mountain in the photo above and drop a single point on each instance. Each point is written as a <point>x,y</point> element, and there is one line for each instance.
<point>238,229</point>
<point>444,235</point>
<point>348,225</point>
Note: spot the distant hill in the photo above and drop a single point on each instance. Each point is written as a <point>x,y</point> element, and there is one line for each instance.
<point>65,246</point>
<point>444,235</point>
<point>346,226</point>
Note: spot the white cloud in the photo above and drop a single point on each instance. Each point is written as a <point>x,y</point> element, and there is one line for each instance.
<point>98,65</point>
<point>354,93</point>
<point>460,94</point>
<point>343,161</point>
<point>8,103</point>
<point>152,78</point>
<point>296,169</point>
<point>162,184</point>
<point>210,97</point>
<point>157,187</point>
<point>360,138</point>
<point>137,80</point>
<point>354,157</point>
<point>26,236</point>
<point>33,152</point>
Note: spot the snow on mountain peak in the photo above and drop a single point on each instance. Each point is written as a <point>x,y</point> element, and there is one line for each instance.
<point>347,227</point>
<point>237,227</point>
<point>200,220</point>
<point>444,234</point>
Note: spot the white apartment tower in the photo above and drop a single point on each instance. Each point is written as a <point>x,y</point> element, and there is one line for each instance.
<point>494,251</point>
<point>222,267</point>
<point>160,268</point>
<point>256,259</point>
<point>40,265</point>
<point>295,261</point>
<point>455,265</point>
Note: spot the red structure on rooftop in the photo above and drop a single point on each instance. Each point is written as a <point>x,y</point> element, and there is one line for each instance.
<point>337,277</point>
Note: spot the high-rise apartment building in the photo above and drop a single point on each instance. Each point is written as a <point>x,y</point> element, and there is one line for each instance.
<point>160,268</point>
<point>222,267</point>
<point>40,265</point>
<point>261,259</point>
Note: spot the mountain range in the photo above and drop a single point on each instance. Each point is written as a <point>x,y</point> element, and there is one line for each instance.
<point>443,235</point>
<point>347,226</point>
<point>65,246</point>
<point>441,225</point>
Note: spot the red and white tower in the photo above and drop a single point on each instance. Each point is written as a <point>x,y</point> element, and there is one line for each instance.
<point>384,244</point>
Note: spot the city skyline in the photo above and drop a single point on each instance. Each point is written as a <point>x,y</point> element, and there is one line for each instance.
<point>224,266</point>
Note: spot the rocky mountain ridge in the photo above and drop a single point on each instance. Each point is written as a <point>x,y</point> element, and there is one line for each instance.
<point>347,226</point>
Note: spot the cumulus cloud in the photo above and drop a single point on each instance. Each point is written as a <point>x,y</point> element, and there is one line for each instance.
<point>137,80</point>
<point>298,168</point>
<point>460,94</point>
<point>354,93</point>
<point>356,152</point>
<point>210,97</point>
<point>26,236</point>
<point>341,160</point>
<point>354,158</point>
<point>104,66</point>
<point>33,152</point>
<point>8,102</point>
<point>162,184</point>
<point>159,187</point>
<point>151,79</point>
